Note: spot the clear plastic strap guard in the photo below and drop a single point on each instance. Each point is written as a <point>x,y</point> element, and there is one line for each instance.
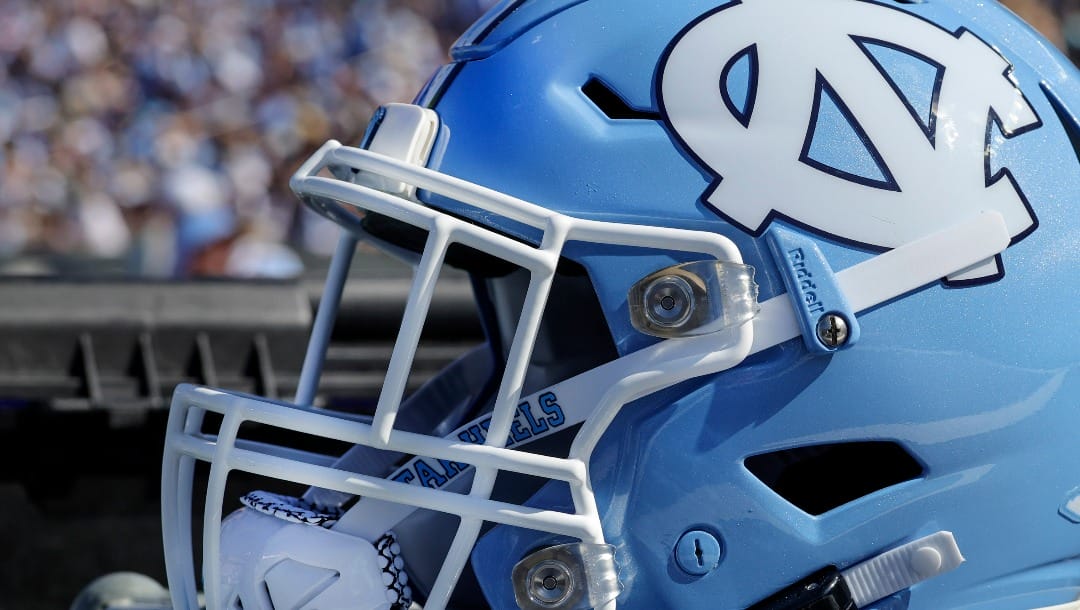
<point>573,576</point>
<point>691,299</point>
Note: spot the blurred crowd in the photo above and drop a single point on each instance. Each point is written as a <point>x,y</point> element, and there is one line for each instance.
<point>160,134</point>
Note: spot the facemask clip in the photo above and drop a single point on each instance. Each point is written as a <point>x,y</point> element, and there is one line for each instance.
<point>401,131</point>
<point>826,319</point>
<point>567,577</point>
<point>693,299</point>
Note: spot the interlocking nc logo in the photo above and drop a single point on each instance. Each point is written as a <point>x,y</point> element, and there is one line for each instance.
<point>770,95</point>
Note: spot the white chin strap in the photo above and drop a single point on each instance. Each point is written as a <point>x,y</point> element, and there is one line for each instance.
<point>593,398</point>
<point>1066,606</point>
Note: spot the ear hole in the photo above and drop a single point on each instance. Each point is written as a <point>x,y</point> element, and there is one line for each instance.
<point>819,478</point>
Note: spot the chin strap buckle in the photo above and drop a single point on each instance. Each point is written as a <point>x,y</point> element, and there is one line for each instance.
<point>822,590</point>
<point>876,578</point>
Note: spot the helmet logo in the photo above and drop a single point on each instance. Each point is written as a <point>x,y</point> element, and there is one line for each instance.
<point>873,126</point>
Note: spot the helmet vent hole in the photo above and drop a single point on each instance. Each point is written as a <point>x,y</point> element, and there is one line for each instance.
<point>612,104</point>
<point>819,478</point>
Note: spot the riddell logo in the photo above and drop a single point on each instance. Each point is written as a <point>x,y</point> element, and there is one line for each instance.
<point>806,286</point>
<point>874,126</point>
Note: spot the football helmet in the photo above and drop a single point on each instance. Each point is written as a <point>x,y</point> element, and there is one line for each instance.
<point>780,302</point>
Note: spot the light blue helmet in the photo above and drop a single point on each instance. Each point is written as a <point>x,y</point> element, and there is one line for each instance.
<point>780,299</point>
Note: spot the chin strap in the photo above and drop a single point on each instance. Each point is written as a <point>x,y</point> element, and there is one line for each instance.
<point>902,567</point>
<point>890,275</point>
<point>876,578</point>
<point>1066,606</point>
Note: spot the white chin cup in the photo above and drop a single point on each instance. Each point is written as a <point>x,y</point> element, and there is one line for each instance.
<point>268,563</point>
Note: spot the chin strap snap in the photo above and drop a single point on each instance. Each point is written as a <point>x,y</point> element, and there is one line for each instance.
<point>876,578</point>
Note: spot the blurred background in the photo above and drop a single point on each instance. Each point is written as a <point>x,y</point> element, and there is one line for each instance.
<point>144,141</point>
<point>154,140</point>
